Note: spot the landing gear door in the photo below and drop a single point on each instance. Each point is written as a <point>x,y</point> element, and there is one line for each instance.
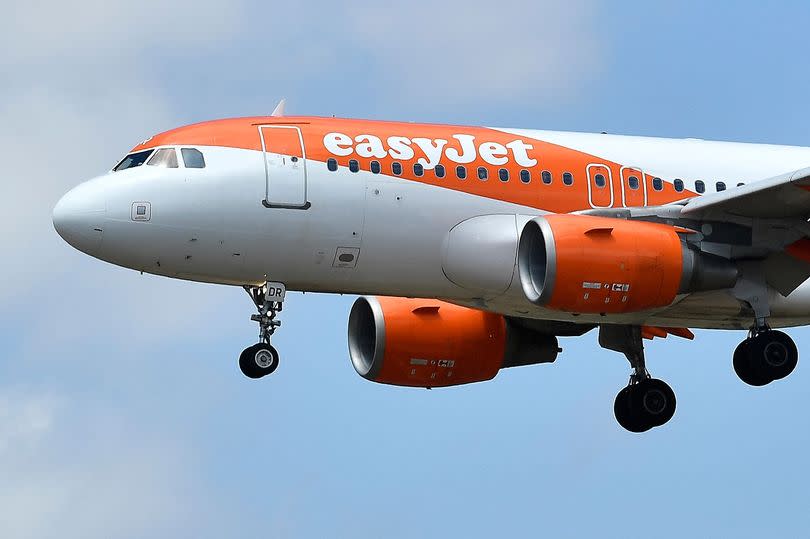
<point>285,167</point>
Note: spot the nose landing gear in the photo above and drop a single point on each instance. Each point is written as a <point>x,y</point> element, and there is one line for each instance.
<point>262,359</point>
<point>766,355</point>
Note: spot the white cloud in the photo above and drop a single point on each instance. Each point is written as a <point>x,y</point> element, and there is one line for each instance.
<point>75,471</point>
<point>23,420</point>
<point>95,32</point>
<point>85,87</point>
<point>81,85</point>
<point>449,52</point>
<point>466,51</point>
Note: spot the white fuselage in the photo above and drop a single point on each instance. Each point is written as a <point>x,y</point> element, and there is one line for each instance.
<point>378,234</point>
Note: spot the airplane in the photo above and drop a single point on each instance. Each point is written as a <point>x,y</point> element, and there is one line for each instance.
<point>472,249</point>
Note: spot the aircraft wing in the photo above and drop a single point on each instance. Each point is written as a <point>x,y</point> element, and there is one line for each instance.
<point>782,197</point>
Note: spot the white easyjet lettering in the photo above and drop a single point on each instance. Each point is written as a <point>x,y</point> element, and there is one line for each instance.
<point>338,144</point>
<point>493,153</point>
<point>369,146</point>
<point>467,154</point>
<point>402,148</point>
<point>433,151</point>
<point>521,151</point>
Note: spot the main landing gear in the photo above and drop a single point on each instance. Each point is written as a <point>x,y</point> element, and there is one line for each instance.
<point>646,402</point>
<point>262,358</point>
<point>766,355</point>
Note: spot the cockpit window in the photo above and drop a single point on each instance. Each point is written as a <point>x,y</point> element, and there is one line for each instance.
<point>133,160</point>
<point>193,158</point>
<point>164,157</point>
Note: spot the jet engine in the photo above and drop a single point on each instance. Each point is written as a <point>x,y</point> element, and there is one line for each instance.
<point>586,264</point>
<point>430,343</point>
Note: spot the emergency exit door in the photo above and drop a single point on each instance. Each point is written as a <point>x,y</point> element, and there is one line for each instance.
<point>600,186</point>
<point>285,167</point>
<point>634,187</point>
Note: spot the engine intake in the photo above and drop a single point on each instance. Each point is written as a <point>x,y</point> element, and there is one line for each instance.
<point>430,343</point>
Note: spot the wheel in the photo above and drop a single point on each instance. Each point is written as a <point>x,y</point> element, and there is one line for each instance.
<point>771,355</point>
<point>654,402</point>
<point>258,360</point>
<point>627,416</point>
<point>744,367</point>
<point>774,354</point>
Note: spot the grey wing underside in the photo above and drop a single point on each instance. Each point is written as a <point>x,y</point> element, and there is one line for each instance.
<point>786,196</point>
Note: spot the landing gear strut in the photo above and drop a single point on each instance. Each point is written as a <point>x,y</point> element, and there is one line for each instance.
<point>646,402</point>
<point>262,358</point>
<point>766,355</point>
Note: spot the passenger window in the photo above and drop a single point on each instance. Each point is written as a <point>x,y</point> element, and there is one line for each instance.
<point>720,186</point>
<point>525,176</point>
<point>678,183</point>
<point>503,175</point>
<point>600,181</point>
<point>483,174</point>
<point>700,187</point>
<point>546,175</point>
<point>461,172</point>
<point>658,184</point>
<point>568,178</point>
<point>375,167</point>
<point>418,169</point>
<point>165,157</point>
<point>740,184</point>
<point>133,160</point>
<point>193,158</point>
<point>354,166</point>
<point>439,171</point>
<point>396,168</point>
<point>633,182</point>
<point>331,164</point>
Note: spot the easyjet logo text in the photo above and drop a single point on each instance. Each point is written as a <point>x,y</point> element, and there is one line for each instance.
<point>462,149</point>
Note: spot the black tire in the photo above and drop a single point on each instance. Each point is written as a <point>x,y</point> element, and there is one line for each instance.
<point>778,354</point>
<point>654,401</point>
<point>626,413</point>
<point>258,360</point>
<point>744,365</point>
<point>246,362</point>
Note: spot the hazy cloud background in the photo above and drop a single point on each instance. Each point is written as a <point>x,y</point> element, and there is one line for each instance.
<point>122,410</point>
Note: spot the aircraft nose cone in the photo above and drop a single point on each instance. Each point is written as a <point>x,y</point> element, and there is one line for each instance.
<point>79,218</point>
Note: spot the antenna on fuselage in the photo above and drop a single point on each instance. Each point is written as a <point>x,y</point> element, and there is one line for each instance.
<point>279,110</point>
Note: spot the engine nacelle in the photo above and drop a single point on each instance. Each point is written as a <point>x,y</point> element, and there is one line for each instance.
<point>586,264</point>
<point>430,343</point>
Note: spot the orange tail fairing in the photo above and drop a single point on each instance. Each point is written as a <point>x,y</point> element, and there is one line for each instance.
<point>496,164</point>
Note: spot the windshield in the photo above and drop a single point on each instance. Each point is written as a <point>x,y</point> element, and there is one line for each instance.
<point>165,157</point>
<point>133,160</point>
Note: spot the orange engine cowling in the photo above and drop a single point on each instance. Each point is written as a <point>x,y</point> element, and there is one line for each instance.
<point>587,264</point>
<point>430,343</point>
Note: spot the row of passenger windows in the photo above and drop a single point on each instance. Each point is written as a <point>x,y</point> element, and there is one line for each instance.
<point>162,157</point>
<point>599,180</point>
<point>482,173</point>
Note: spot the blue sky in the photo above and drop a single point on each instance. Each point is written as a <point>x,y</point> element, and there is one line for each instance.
<point>122,410</point>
